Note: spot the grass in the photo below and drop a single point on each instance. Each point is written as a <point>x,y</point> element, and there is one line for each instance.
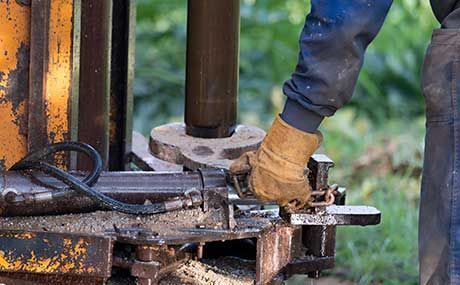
<point>381,166</point>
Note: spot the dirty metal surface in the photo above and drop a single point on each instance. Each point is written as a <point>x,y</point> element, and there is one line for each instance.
<point>309,264</point>
<point>336,215</point>
<point>102,222</point>
<point>94,88</point>
<point>199,231</point>
<point>51,253</point>
<point>319,242</point>
<point>173,228</point>
<point>273,252</point>
<point>303,245</point>
<point>319,166</point>
<point>54,30</point>
<point>14,75</point>
<point>23,195</point>
<point>171,143</point>
<point>142,158</point>
<point>154,261</point>
<point>11,278</point>
<point>121,80</point>
<point>60,75</point>
<point>38,37</point>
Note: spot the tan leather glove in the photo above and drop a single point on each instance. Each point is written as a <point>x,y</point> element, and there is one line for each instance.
<point>278,167</point>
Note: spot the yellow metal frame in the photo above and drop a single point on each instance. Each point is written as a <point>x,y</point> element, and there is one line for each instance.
<point>14,59</point>
<point>24,107</point>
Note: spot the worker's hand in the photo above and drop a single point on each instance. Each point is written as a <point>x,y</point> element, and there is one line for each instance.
<point>278,167</point>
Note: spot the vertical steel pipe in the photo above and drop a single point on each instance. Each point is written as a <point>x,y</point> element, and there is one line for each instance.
<point>212,67</point>
<point>94,88</point>
<point>122,75</point>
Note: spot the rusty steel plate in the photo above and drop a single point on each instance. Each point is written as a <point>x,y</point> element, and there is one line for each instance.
<point>274,250</point>
<point>53,253</point>
<point>172,144</point>
<point>11,278</point>
<point>336,215</point>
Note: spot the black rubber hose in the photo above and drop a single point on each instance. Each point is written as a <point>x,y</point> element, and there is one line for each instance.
<point>83,187</point>
<point>101,199</point>
<point>95,157</point>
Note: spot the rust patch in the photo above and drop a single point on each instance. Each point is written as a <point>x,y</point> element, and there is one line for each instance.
<point>34,253</point>
<point>14,78</point>
<point>71,259</point>
<point>58,83</point>
<point>24,235</point>
<point>20,235</point>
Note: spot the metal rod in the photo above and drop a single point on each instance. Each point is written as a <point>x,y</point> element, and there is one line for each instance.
<point>21,195</point>
<point>212,68</point>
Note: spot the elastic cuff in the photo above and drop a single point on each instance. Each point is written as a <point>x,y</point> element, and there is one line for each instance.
<point>300,118</point>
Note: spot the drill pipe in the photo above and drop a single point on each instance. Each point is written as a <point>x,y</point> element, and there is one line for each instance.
<point>213,31</point>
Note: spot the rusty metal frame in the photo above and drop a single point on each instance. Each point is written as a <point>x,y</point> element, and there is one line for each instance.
<point>47,279</point>
<point>94,88</point>
<point>274,252</point>
<point>51,253</point>
<point>14,75</point>
<point>122,76</point>
<point>54,69</point>
<point>283,249</point>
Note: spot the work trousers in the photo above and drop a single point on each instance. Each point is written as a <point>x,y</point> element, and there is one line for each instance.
<point>333,43</point>
<point>439,225</point>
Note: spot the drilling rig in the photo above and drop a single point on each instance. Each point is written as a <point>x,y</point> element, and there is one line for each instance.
<point>84,199</point>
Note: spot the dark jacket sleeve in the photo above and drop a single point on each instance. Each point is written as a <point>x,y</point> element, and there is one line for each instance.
<point>332,45</point>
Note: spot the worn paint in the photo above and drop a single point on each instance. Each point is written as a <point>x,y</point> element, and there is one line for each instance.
<point>20,235</point>
<point>71,259</point>
<point>14,46</point>
<point>25,235</point>
<point>58,84</point>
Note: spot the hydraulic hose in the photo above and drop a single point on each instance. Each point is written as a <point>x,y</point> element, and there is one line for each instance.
<point>84,148</point>
<point>83,187</point>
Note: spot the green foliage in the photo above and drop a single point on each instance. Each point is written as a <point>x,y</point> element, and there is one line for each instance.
<point>388,85</point>
<point>380,167</point>
<point>160,62</point>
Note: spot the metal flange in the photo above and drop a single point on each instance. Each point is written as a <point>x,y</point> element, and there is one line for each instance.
<point>171,143</point>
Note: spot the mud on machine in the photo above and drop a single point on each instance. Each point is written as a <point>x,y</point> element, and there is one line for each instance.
<point>119,209</point>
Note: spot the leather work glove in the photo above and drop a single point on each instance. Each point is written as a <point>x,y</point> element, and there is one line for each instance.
<point>278,167</point>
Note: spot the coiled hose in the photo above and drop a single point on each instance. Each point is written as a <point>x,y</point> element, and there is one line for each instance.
<point>34,161</point>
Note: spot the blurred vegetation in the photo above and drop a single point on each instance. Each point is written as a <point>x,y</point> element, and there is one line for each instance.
<point>376,140</point>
